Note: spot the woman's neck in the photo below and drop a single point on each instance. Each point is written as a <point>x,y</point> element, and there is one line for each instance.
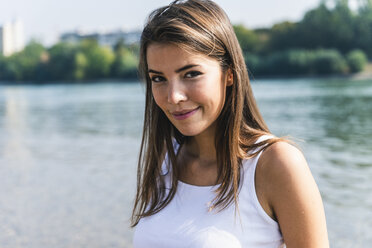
<point>198,161</point>
<point>202,147</point>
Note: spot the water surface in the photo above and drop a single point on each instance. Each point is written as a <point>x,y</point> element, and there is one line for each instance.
<point>68,157</point>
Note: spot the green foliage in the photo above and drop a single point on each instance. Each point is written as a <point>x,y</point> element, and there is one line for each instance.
<point>61,62</point>
<point>329,62</point>
<point>81,63</point>
<point>315,45</point>
<point>324,27</point>
<point>253,61</point>
<point>295,62</point>
<point>2,67</point>
<point>363,29</point>
<point>356,60</point>
<point>289,62</point>
<point>99,59</point>
<point>327,28</point>
<point>299,62</point>
<point>282,36</point>
<point>248,39</point>
<point>7,69</point>
<point>125,63</point>
<point>69,62</point>
<point>21,66</point>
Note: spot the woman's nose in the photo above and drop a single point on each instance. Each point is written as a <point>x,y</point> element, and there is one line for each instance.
<point>176,92</point>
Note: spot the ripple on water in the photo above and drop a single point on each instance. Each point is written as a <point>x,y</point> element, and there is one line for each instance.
<point>68,156</point>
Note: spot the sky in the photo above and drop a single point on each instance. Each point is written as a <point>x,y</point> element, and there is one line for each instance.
<point>45,20</point>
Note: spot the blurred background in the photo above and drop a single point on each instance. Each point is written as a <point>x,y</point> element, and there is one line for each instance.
<point>71,111</point>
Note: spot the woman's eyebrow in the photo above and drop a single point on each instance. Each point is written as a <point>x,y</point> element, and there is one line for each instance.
<point>185,68</point>
<point>177,71</point>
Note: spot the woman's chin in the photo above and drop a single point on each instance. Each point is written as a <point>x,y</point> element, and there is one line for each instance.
<point>194,129</point>
<point>189,131</point>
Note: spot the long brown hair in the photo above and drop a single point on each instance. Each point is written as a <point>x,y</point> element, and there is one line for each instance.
<point>199,26</point>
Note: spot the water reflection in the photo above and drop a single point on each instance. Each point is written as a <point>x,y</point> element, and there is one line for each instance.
<point>15,125</point>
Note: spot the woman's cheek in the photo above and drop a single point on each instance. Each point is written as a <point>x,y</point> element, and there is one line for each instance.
<point>156,95</point>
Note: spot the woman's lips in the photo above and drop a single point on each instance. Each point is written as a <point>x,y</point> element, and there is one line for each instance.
<point>184,114</point>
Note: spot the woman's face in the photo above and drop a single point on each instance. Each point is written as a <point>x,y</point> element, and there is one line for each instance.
<point>189,87</point>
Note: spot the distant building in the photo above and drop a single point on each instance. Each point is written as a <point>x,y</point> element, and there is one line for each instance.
<point>11,38</point>
<point>103,38</point>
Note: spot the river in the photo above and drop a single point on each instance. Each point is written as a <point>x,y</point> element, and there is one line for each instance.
<point>68,156</point>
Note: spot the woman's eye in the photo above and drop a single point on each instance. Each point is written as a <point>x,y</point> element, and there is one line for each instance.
<point>157,79</point>
<point>192,74</point>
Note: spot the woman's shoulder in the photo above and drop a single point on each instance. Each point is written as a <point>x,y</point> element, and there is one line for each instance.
<point>282,155</point>
<point>273,167</point>
<point>280,165</point>
<point>291,192</point>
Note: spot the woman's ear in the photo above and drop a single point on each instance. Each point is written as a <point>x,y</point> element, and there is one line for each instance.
<point>229,77</point>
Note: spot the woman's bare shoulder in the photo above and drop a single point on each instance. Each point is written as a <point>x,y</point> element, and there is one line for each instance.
<point>291,192</point>
<point>281,163</point>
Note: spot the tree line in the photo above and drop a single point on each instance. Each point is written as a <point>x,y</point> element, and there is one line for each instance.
<point>63,61</point>
<point>330,39</point>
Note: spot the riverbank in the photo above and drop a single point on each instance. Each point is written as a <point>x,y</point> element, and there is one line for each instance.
<point>366,74</point>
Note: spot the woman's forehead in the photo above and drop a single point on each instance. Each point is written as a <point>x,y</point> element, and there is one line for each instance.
<point>160,54</point>
<point>169,48</point>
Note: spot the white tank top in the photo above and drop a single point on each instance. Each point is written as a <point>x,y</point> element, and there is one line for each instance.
<point>186,221</point>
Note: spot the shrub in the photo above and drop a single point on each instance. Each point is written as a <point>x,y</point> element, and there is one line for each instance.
<point>253,63</point>
<point>125,64</point>
<point>356,60</point>
<point>298,62</point>
<point>290,62</point>
<point>329,61</point>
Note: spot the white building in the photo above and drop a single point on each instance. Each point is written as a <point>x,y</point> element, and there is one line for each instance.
<point>11,37</point>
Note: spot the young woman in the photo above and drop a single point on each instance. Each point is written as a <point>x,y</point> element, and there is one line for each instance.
<point>210,173</point>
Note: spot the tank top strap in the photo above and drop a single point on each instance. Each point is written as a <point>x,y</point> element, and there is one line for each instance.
<point>250,166</point>
<point>166,166</point>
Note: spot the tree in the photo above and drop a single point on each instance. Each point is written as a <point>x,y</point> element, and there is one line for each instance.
<point>249,41</point>
<point>99,59</point>
<point>283,36</point>
<point>329,62</point>
<point>81,63</point>
<point>22,65</point>
<point>363,27</point>
<point>125,63</point>
<point>356,60</point>
<point>61,64</point>
<point>328,28</point>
